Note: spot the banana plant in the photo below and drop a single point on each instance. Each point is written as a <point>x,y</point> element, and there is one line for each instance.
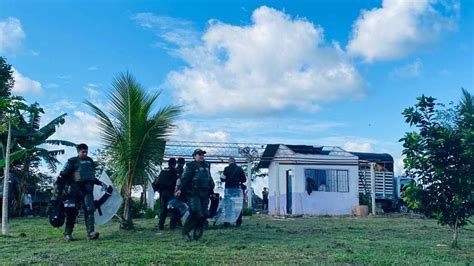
<point>32,138</point>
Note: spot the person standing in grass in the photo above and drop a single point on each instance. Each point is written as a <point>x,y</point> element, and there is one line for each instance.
<point>234,178</point>
<point>265,199</point>
<point>165,184</point>
<point>197,184</point>
<point>74,187</point>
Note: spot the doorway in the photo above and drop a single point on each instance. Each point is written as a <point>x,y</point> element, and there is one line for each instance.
<point>289,176</point>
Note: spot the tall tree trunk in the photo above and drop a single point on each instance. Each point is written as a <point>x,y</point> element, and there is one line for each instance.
<point>127,222</point>
<point>127,214</point>
<point>24,175</point>
<point>454,244</point>
<point>6,177</point>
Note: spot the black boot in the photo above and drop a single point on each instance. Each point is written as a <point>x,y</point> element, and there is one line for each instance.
<point>93,235</point>
<point>197,233</point>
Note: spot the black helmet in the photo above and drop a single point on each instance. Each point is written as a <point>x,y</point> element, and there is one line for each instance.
<point>56,213</point>
<point>56,221</point>
<point>198,151</point>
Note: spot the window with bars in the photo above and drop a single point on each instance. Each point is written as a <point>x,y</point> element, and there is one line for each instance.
<point>328,180</point>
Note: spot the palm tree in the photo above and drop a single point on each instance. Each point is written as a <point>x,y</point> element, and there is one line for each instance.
<point>134,135</point>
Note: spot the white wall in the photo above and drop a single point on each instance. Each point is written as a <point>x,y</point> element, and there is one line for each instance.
<point>325,203</point>
<point>318,203</point>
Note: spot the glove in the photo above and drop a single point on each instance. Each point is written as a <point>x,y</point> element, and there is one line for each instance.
<point>104,187</point>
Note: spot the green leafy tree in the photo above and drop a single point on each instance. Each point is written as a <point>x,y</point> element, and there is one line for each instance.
<point>30,136</point>
<point>6,78</point>
<point>103,162</point>
<point>21,137</point>
<point>439,156</point>
<point>134,135</point>
<point>10,107</point>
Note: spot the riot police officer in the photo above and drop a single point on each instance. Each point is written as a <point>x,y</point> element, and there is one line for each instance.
<point>180,166</point>
<point>75,186</point>
<point>197,184</point>
<point>165,184</point>
<point>234,177</point>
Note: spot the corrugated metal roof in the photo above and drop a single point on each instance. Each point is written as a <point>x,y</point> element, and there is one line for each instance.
<point>268,155</point>
<point>374,157</point>
<point>271,150</point>
<point>306,149</point>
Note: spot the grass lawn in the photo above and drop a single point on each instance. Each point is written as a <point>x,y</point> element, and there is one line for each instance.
<point>261,240</point>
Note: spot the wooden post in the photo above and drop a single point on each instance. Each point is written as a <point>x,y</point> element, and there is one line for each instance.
<point>372,183</point>
<point>249,185</point>
<point>277,190</point>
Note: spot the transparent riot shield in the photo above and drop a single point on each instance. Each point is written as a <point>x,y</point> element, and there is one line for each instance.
<point>110,206</point>
<point>230,206</point>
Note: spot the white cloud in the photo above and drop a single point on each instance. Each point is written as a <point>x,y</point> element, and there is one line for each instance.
<point>357,146</point>
<point>274,64</point>
<point>93,85</point>
<point>189,131</point>
<point>172,30</point>
<point>400,27</point>
<point>64,77</point>
<point>80,127</point>
<point>411,70</point>
<point>11,35</point>
<point>51,85</point>
<point>24,85</point>
<point>92,93</point>
<point>96,96</point>
<point>93,68</point>
<point>398,165</point>
<point>350,143</point>
<point>263,130</point>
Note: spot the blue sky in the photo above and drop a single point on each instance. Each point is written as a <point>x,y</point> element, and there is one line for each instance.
<point>335,73</point>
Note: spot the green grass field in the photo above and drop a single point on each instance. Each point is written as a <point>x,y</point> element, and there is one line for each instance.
<point>260,240</point>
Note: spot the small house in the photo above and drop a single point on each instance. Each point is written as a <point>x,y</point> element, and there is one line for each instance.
<point>312,180</point>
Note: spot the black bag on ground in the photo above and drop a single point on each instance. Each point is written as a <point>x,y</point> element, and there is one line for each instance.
<point>56,213</point>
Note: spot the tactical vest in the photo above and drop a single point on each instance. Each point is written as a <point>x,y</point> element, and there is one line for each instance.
<point>201,178</point>
<point>84,171</point>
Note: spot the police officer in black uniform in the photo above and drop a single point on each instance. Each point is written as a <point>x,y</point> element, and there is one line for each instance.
<point>165,185</point>
<point>234,177</point>
<point>75,186</point>
<point>197,185</point>
<point>180,166</point>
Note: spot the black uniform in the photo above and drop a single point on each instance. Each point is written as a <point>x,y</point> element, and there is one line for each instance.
<point>166,183</point>
<point>234,178</point>
<point>75,186</point>
<point>197,185</point>
<point>265,199</point>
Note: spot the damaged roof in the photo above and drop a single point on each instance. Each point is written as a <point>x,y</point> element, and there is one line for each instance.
<point>271,150</point>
